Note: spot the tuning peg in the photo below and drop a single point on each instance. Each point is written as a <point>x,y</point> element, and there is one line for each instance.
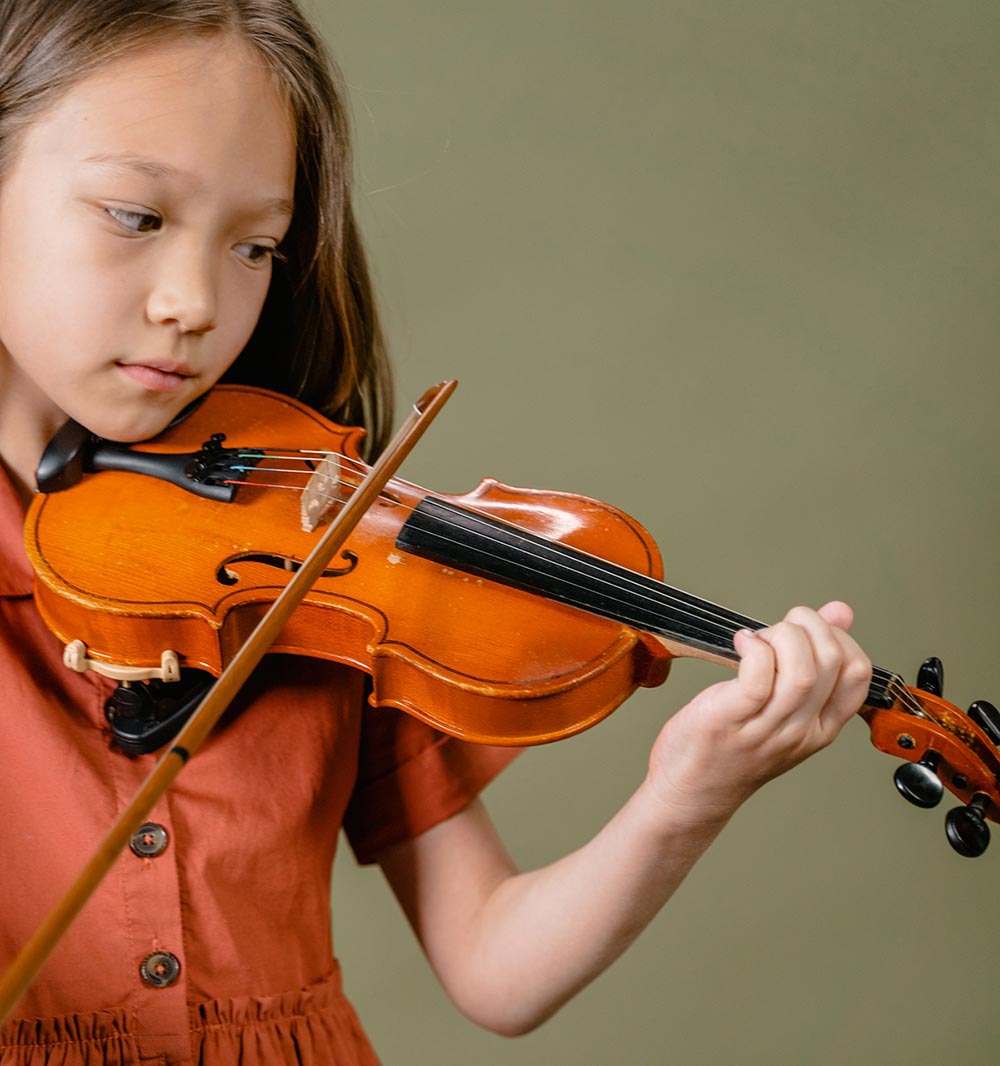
<point>966,827</point>
<point>987,717</point>
<point>930,676</point>
<point>918,782</point>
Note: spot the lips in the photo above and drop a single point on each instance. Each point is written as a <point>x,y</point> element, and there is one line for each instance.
<point>165,376</point>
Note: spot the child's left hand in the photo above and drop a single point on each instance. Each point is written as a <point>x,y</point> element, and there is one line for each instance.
<point>798,683</point>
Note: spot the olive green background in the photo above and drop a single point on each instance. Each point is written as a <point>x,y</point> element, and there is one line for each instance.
<point>732,267</point>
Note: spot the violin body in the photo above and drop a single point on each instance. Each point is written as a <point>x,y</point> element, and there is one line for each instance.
<point>132,566</point>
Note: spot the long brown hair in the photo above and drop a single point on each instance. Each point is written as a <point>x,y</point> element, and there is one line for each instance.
<point>318,337</point>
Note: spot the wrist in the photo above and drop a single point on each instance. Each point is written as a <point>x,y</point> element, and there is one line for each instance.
<point>669,813</point>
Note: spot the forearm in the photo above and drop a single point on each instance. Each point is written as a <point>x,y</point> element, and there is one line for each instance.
<point>511,948</point>
<point>532,940</point>
<point>548,933</point>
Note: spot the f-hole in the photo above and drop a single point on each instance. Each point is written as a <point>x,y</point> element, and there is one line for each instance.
<point>226,575</point>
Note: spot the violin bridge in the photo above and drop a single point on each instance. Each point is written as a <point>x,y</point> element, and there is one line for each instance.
<point>75,657</point>
<point>321,494</point>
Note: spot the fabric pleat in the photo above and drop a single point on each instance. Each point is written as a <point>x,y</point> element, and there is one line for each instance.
<point>314,1026</point>
<point>99,1039</point>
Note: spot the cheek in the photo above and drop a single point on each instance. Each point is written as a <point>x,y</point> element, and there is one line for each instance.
<point>53,297</point>
<point>106,282</point>
<point>241,300</point>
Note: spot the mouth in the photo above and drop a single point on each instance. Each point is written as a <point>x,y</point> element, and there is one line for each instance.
<point>158,376</point>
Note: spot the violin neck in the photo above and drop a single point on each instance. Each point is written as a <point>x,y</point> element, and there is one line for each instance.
<point>479,544</point>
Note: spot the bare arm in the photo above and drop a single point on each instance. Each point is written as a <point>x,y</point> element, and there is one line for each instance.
<point>510,948</point>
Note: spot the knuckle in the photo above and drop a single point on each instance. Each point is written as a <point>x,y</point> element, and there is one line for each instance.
<point>830,655</point>
<point>757,692</point>
<point>803,680</point>
<point>858,671</point>
<point>781,632</point>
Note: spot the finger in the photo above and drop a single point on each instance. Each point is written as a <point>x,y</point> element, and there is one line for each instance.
<point>838,614</point>
<point>844,668</point>
<point>852,686</point>
<point>806,664</point>
<point>755,676</point>
<point>829,642</point>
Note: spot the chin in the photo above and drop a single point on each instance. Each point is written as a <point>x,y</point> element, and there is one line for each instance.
<point>124,429</point>
<point>131,423</point>
<point>132,436</point>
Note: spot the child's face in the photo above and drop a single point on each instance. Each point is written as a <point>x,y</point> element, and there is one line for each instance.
<point>133,226</point>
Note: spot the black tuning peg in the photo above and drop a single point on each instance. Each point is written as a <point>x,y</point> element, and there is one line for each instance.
<point>918,782</point>
<point>966,827</point>
<point>987,717</point>
<point>930,676</point>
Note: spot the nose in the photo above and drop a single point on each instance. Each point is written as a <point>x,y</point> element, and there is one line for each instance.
<point>184,291</point>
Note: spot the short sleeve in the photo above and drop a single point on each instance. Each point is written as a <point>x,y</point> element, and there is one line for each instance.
<point>410,778</point>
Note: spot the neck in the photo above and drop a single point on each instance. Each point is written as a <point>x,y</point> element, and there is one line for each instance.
<point>28,420</point>
<point>24,491</point>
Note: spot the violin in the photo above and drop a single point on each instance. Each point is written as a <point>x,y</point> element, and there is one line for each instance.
<point>502,616</point>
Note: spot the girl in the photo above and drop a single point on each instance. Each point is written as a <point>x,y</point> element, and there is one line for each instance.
<point>174,208</point>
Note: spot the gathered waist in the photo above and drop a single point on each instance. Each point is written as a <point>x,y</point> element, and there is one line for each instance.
<point>312,1026</point>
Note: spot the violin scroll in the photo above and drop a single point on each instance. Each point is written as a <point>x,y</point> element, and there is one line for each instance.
<point>945,748</point>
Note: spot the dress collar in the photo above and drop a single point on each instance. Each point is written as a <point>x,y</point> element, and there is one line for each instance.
<point>16,575</point>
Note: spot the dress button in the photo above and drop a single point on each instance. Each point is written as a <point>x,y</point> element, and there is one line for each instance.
<point>151,840</point>
<point>160,969</point>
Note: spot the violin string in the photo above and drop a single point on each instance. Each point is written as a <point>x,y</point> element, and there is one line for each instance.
<point>883,678</point>
<point>886,677</point>
<point>884,682</point>
<point>703,615</point>
<point>725,626</point>
<point>880,674</point>
<point>721,621</point>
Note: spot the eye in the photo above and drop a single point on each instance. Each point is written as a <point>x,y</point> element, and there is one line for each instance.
<point>137,221</point>
<point>257,254</point>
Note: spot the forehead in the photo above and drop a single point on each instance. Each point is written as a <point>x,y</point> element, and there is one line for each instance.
<point>205,107</point>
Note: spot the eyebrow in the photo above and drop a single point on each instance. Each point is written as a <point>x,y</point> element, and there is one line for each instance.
<point>154,168</point>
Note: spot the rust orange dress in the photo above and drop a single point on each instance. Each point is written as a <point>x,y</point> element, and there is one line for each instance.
<point>211,942</point>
